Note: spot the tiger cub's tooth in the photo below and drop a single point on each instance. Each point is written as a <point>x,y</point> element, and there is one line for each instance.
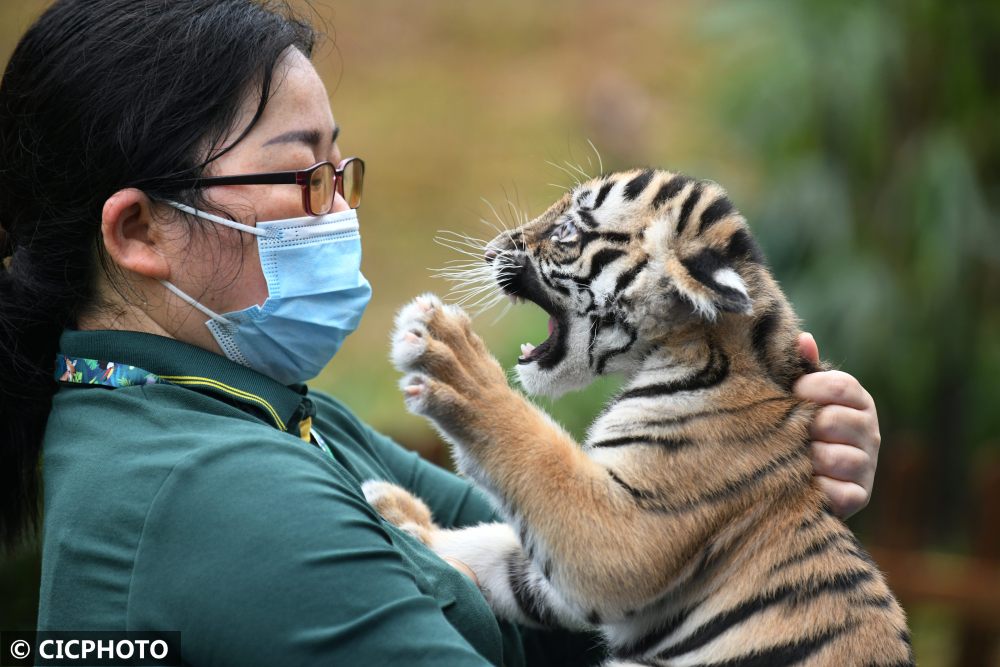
<point>512,299</point>
<point>526,349</point>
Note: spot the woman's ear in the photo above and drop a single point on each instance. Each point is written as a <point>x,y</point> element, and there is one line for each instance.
<point>132,236</point>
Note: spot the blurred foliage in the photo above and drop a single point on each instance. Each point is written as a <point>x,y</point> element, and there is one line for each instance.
<point>874,127</point>
<point>861,140</point>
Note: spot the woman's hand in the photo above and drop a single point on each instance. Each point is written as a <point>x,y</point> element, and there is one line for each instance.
<point>845,434</point>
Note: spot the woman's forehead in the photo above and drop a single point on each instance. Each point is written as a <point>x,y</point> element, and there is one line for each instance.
<point>297,109</point>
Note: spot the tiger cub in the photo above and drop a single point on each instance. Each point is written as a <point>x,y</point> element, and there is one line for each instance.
<point>687,527</point>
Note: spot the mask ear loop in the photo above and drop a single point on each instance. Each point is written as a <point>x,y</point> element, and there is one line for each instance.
<point>194,303</point>
<point>220,220</point>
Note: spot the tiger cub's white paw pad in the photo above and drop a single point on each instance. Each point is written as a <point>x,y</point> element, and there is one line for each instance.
<point>410,333</point>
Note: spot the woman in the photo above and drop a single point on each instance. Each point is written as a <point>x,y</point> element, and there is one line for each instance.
<point>180,255</point>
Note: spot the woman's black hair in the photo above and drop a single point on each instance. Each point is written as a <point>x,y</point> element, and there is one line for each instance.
<point>101,95</point>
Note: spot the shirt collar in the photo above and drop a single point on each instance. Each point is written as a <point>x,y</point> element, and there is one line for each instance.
<point>192,367</point>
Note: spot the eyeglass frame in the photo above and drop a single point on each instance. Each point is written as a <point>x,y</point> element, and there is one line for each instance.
<point>300,178</point>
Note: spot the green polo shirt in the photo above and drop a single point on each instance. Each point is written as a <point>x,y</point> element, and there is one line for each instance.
<point>188,501</point>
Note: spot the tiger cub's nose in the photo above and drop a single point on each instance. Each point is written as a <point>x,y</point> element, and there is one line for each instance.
<point>490,255</point>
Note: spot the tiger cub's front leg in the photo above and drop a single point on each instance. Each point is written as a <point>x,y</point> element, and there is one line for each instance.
<point>575,523</point>
<point>451,377</point>
<point>501,440</point>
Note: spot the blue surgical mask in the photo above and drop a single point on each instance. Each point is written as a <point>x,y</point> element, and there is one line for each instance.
<point>316,295</point>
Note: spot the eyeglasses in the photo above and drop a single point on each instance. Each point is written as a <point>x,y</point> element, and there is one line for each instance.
<point>319,183</point>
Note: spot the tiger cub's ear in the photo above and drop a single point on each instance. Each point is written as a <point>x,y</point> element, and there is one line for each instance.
<point>710,283</point>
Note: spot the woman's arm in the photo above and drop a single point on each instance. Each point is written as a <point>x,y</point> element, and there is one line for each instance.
<point>273,559</point>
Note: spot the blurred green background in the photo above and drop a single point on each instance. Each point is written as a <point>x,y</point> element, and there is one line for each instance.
<point>861,139</point>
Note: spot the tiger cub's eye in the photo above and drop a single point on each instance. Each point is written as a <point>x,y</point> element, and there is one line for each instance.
<point>565,233</point>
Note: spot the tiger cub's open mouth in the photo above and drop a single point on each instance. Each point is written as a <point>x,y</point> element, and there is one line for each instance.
<point>530,353</point>
<point>523,286</point>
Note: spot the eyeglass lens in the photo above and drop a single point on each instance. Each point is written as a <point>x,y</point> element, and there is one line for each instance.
<point>321,189</point>
<point>352,182</point>
<point>321,186</point>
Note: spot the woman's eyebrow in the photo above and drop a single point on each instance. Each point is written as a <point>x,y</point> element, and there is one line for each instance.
<point>310,137</point>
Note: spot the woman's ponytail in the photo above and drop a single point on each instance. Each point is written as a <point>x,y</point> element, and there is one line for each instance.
<point>31,319</point>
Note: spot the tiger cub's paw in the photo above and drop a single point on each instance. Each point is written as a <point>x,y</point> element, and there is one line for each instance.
<point>450,373</point>
<point>400,508</point>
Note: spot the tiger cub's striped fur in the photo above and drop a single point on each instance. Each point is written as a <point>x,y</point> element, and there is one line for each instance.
<point>687,528</point>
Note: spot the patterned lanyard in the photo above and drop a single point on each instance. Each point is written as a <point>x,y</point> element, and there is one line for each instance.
<point>80,370</point>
